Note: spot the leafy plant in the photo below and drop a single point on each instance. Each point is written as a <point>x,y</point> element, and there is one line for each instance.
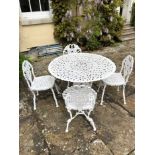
<point>22,57</point>
<point>93,43</point>
<point>59,9</point>
<point>99,24</point>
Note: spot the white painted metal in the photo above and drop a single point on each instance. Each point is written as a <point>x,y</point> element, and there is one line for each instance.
<point>36,84</point>
<point>40,6</point>
<point>57,88</point>
<point>30,5</point>
<point>120,79</point>
<point>81,67</point>
<point>81,99</point>
<point>72,48</point>
<point>103,94</point>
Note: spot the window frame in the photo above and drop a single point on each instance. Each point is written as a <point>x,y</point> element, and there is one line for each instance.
<point>36,17</point>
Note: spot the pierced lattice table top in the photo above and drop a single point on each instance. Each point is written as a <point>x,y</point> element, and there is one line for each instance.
<point>81,67</point>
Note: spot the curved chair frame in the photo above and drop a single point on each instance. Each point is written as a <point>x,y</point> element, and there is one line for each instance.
<point>75,100</point>
<point>121,78</point>
<point>72,48</point>
<point>36,84</point>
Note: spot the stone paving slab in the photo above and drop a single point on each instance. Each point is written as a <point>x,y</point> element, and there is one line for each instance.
<point>31,140</point>
<point>130,106</point>
<point>132,153</point>
<point>25,109</point>
<point>97,147</point>
<point>114,127</point>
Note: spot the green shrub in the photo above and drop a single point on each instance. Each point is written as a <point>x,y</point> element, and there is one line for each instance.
<point>92,43</point>
<point>22,57</point>
<point>96,26</point>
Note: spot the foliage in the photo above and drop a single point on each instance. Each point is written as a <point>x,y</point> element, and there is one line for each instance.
<point>93,43</point>
<point>22,57</point>
<point>65,30</point>
<point>132,22</point>
<point>59,9</point>
<point>98,24</point>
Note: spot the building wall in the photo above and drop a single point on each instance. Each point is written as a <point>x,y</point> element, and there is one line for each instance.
<point>42,34</point>
<point>35,35</point>
<point>127,8</point>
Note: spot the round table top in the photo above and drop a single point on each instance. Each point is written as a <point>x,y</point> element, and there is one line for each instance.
<point>81,67</point>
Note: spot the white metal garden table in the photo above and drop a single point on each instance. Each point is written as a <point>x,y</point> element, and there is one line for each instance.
<point>81,67</point>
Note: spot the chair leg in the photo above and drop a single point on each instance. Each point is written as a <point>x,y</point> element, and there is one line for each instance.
<point>99,86</point>
<point>90,84</point>
<point>56,87</point>
<point>37,93</point>
<point>78,113</point>
<point>103,94</point>
<point>118,88</point>
<point>34,101</point>
<point>124,94</point>
<point>55,99</point>
<point>70,119</point>
<point>68,84</point>
<point>68,122</point>
<point>90,120</point>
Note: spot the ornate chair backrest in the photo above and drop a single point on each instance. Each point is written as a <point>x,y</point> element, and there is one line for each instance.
<point>77,93</point>
<point>72,48</point>
<point>28,72</point>
<point>127,66</point>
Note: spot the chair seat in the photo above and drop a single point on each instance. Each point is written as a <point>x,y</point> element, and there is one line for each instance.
<point>115,79</point>
<point>79,98</point>
<point>42,83</point>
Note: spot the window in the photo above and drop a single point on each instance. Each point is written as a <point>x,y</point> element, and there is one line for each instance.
<point>34,12</point>
<point>34,5</point>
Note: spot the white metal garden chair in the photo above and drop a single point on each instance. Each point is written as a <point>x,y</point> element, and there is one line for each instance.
<point>121,78</point>
<point>81,99</point>
<point>72,48</point>
<point>36,84</point>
